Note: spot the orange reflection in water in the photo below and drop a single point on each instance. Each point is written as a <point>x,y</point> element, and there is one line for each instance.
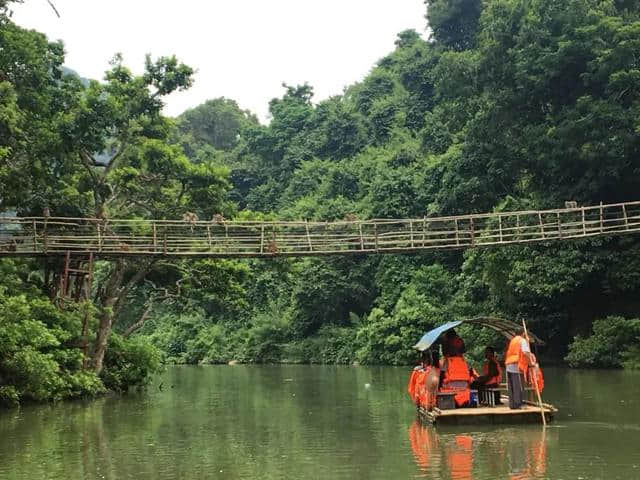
<point>517,454</point>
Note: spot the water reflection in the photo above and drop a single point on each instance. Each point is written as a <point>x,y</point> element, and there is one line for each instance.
<point>517,454</point>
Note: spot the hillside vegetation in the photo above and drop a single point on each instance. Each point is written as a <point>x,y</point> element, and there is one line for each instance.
<point>509,105</point>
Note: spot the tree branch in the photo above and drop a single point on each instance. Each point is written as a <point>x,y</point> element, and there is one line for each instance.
<point>115,158</point>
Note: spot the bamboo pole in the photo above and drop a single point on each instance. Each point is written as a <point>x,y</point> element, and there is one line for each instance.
<point>375,232</point>
<point>155,236</point>
<point>601,218</point>
<point>541,224</point>
<point>457,233</point>
<point>262,238</point>
<point>424,229</point>
<point>472,232</point>
<point>361,237</point>
<point>411,231</point>
<point>535,383</point>
<point>559,225</point>
<point>626,219</point>
<point>306,225</point>
<point>500,226</point>
<point>584,225</point>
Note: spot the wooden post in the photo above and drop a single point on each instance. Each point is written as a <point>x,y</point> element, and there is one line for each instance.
<point>626,220</point>
<point>361,237</point>
<point>375,232</point>
<point>584,224</point>
<point>411,231</point>
<point>517,227</point>
<point>99,237</point>
<point>164,247</point>
<point>209,237</point>
<point>155,237</point>
<point>541,224</point>
<point>44,236</point>
<point>535,382</point>
<point>500,226</point>
<point>85,322</point>
<point>35,236</point>
<point>601,218</point>
<point>262,238</point>
<point>424,229</point>
<point>457,233</point>
<point>306,226</point>
<point>472,232</point>
<point>559,225</point>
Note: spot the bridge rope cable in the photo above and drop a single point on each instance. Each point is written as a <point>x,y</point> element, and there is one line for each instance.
<point>55,236</point>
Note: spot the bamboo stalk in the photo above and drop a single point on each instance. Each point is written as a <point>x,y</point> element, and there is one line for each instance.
<point>411,231</point>
<point>541,224</point>
<point>306,224</point>
<point>375,232</point>
<point>559,226</point>
<point>535,383</point>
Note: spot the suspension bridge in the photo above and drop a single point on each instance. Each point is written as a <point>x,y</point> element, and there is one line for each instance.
<point>219,238</point>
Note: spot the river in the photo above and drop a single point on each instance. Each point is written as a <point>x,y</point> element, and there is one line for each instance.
<point>317,422</point>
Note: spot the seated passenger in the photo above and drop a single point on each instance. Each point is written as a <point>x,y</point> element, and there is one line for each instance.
<point>452,346</point>
<point>456,378</point>
<point>423,384</point>
<point>491,374</point>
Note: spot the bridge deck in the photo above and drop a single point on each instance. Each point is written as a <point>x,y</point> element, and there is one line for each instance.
<point>54,236</point>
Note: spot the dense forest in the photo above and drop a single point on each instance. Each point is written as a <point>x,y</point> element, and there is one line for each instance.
<point>507,105</point>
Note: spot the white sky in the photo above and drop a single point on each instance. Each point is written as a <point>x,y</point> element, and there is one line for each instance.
<point>242,49</point>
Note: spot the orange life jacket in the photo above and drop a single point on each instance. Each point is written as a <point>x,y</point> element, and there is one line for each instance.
<point>457,370</point>
<point>539,377</point>
<point>485,371</point>
<point>515,354</point>
<point>411,387</point>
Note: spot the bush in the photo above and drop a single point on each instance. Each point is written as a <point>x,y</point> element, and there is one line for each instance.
<point>613,344</point>
<point>129,363</point>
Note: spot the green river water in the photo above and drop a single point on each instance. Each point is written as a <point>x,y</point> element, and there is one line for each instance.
<point>289,422</point>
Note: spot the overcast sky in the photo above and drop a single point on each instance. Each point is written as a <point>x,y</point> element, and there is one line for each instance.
<point>242,49</point>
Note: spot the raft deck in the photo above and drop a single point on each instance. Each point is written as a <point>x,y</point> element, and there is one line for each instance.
<point>500,414</point>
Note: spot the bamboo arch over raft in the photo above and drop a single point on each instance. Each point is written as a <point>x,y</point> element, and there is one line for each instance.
<point>55,236</point>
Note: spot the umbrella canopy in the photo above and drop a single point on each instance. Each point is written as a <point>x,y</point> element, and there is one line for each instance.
<point>431,336</point>
<point>505,327</point>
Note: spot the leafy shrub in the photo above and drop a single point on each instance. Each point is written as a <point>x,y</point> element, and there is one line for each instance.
<point>613,344</point>
<point>129,363</point>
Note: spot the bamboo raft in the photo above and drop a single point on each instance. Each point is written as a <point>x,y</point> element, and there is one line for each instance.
<point>55,236</point>
<point>498,415</point>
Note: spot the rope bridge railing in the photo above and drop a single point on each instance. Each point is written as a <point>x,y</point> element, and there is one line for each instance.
<point>51,236</point>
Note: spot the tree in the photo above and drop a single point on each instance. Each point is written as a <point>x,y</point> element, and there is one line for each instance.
<point>454,23</point>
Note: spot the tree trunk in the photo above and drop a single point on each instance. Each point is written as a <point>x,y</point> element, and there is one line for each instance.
<point>112,292</point>
<point>113,301</point>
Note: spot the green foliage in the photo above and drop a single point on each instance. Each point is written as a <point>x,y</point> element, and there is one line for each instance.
<point>39,355</point>
<point>129,363</point>
<point>613,344</point>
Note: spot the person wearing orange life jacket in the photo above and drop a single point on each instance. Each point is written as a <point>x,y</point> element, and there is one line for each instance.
<point>517,361</point>
<point>491,373</point>
<point>535,371</point>
<point>417,378</point>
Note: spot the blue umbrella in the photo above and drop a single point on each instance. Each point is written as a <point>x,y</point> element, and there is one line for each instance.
<point>431,336</point>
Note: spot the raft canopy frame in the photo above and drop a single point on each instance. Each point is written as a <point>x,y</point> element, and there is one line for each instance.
<point>506,327</point>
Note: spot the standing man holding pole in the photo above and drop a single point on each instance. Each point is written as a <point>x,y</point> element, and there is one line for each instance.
<point>517,360</point>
